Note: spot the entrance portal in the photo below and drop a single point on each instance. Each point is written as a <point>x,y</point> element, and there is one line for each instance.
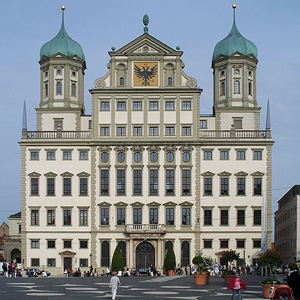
<point>145,255</point>
<point>68,263</point>
<point>15,256</point>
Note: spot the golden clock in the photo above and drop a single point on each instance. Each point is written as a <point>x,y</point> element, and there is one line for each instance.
<point>145,74</point>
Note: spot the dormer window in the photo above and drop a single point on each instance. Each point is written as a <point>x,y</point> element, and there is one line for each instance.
<point>58,88</point>
<point>237,89</point>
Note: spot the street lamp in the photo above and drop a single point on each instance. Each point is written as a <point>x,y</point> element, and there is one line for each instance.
<point>91,267</point>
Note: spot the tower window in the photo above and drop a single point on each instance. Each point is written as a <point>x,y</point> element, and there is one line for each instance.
<point>236,71</point>
<point>73,90</point>
<point>74,74</point>
<point>58,72</point>
<point>122,81</point>
<point>58,88</point>
<point>222,73</point>
<point>170,81</point>
<point>250,88</point>
<point>46,90</point>
<point>222,88</point>
<point>250,73</point>
<point>237,89</point>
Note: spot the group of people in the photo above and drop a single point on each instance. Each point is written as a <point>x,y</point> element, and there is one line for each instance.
<point>10,270</point>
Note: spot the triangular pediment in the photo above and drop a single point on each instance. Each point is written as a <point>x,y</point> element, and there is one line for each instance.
<point>137,203</point>
<point>66,174</point>
<point>170,203</point>
<point>257,173</point>
<point>83,174</point>
<point>208,174</point>
<point>67,252</point>
<point>50,174</point>
<point>153,203</point>
<point>225,174</point>
<point>120,204</point>
<point>104,203</point>
<point>186,203</point>
<point>34,174</point>
<point>241,173</point>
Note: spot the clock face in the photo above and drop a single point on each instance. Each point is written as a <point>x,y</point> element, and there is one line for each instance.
<point>145,74</point>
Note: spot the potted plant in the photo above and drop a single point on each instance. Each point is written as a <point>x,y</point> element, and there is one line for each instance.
<point>170,262</point>
<point>270,259</point>
<point>230,256</point>
<point>201,276</point>
<point>117,261</point>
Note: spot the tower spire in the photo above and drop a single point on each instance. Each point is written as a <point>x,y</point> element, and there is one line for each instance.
<point>24,122</point>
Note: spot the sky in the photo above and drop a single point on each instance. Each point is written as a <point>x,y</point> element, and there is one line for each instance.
<point>194,25</point>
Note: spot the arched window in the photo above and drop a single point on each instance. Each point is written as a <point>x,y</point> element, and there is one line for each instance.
<point>222,88</point>
<point>185,253</point>
<point>122,81</point>
<point>168,245</point>
<point>105,261</point>
<point>250,88</point>
<point>237,87</point>
<point>170,81</point>
<point>122,246</point>
<point>58,88</point>
<point>73,90</point>
<point>46,90</point>
<point>169,74</point>
<point>121,75</point>
<point>58,72</point>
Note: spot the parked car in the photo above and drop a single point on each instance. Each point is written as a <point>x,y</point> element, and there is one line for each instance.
<point>144,271</point>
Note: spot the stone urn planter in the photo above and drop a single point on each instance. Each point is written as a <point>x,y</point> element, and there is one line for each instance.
<point>266,287</point>
<point>228,278</point>
<point>170,273</point>
<point>201,279</point>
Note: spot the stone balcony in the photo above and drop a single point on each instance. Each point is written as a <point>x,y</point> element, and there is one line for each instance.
<point>145,228</point>
<point>56,134</point>
<point>235,134</point>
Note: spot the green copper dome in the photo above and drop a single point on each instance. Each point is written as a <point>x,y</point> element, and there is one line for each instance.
<point>234,42</point>
<point>62,43</point>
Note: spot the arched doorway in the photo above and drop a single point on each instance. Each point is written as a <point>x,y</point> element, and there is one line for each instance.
<point>15,255</point>
<point>145,255</point>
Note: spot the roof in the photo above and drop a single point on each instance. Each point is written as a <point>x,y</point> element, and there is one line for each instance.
<point>16,216</point>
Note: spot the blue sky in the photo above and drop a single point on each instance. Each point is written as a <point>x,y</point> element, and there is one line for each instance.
<point>195,25</point>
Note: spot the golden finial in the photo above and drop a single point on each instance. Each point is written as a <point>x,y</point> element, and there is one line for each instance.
<point>63,7</point>
<point>234,6</point>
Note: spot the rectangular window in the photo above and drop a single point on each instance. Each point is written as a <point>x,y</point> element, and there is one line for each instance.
<point>207,186</point>
<point>207,217</point>
<point>67,217</point>
<point>121,105</point>
<point>241,188</point>
<point>153,182</point>
<point>257,155</point>
<point>224,217</point>
<point>137,216</point>
<point>224,244</point>
<point>104,131</point>
<point>170,216</point>
<point>224,155</point>
<point>169,105</point>
<point>50,155</point>
<point>67,244</point>
<point>137,105</point>
<point>120,182</point>
<point>83,217</point>
<point>153,105</point>
<point>186,131</point>
<point>51,262</point>
<point>224,186</point>
<point>67,186</point>
<point>83,155</point>
<point>50,186</point>
<point>34,217</point>
<point>203,124</point>
<point>241,155</point>
<point>186,182</point>
<point>121,131</point>
<point>207,155</point>
<point>256,243</point>
<point>257,186</point>
<point>186,105</point>
<point>240,217</point>
<point>121,216</point>
<point>257,217</point>
<point>67,155</point>
<point>153,131</point>
<point>104,215</point>
<point>104,190</point>
<point>170,131</point>
<point>207,244</point>
<point>186,216</point>
<point>34,155</point>
<point>83,262</point>
<point>238,124</point>
<point>137,131</point>
<point>35,244</point>
<point>58,124</point>
<point>104,106</point>
<point>51,244</point>
<point>35,262</point>
<point>83,186</point>
<point>170,182</point>
<point>50,217</point>
<point>137,182</point>
<point>83,244</point>
<point>240,243</point>
<point>34,186</point>
<point>153,217</point>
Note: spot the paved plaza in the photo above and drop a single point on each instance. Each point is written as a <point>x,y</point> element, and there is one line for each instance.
<point>144,287</point>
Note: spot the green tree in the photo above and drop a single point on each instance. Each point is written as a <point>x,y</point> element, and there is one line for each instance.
<point>170,260</point>
<point>230,256</point>
<point>117,261</point>
<point>271,259</point>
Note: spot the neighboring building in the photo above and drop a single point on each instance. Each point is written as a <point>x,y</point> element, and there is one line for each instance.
<point>12,241</point>
<point>4,229</point>
<point>287,220</point>
<point>144,171</point>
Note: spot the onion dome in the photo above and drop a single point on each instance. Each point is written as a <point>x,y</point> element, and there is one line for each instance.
<point>234,42</point>
<point>63,44</point>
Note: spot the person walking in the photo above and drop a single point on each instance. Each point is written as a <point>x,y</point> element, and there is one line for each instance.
<point>114,283</point>
<point>236,285</point>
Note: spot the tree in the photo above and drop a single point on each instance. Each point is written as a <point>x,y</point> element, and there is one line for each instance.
<point>271,259</point>
<point>230,256</point>
<point>117,261</point>
<point>170,260</point>
<point>200,263</point>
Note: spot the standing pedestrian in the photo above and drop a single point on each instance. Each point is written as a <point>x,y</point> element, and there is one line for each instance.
<point>4,267</point>
<point>236,285</point>
<point>114,283</point>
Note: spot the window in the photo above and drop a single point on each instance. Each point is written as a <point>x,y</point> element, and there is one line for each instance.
<point>169,182</point>
<point>207,217</point>
<point>83,186</point>
<point>35,244</point>
<point>153,105</point>
<point>137,216</point>
<point>137,157</point>
<point>186,156</point>
<point>67,217</point>
<point>153,215</point>
<point>207,244</point>
<point>122,246</point>
<point>207,186</point>
<point>169,105</point>
<point>137,182</point>
<point>169,216</point>
<point>257,155</point>
<point>58,124</point>
<point>250,88</point>
<point>83,217</point>
<point>73,90</point>
<point>67,244</point>
<point>34,217</point>
<point>153,157</point>
<point>222,88</point>
<point>137,131</point>
<point>223,244</point>
<point>104,131</point>
<point>236,71</point>
<point>50,217</point>
<point>224,155</point>
<point>170,81</point>
<point>51,244</point>
<point>224,217</point>
<point>257,186</point>
<point>104,189</point>
<point>186,105</point>
<point>203,124</point>
<point>238,123</point>
<point>34,186</point>
<point>50,186</point>
<point>137,105</point>
<point>58,72</point>
<point>240,217</point>
<point>34,155</point>
<point>186,182</point>
<point>257,217</point>
<point>153,131</point>
<point>83,262</point>
<point>58,88</point>
<point>121,131</point>
<point>83,155</point>
<point>241,155</point>
<point>170,130</point>
<point>153,182</point>
<point>241,186</point>
<point>83,244</point>
<point>35,262</point>
<point>51,262</point>
<point>207,155</point>
<point>121,157</point>
<point>67,155</point>
<point>104,157</point>
<point>105,259</point>
<point>121,105</point>
<point>46,90</point>
<point>104,215</point>
<point>170,156</point>
<point>50,155</point>
<point>240,243</point>
<point>224,186</point>
<point>121,216</point>
<point>186,216</point>
<point>67,186</point>
<point>104,105</point>
<point>122,81</point>
<point>120,182</point>
<point>186,131</point>
<point>256,243</point>
<point>185,253</point>
<point>237,87</point>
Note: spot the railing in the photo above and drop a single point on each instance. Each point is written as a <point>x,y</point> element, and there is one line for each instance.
<point>56,134</point>
<point>145,228</point>
<point>12,237</point>
<point>239,134</point>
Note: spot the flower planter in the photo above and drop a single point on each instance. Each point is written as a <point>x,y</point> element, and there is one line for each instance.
<point>266,289</point>
<point>201,279</point>
<point>170,273</point>
<point>228,278</point>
